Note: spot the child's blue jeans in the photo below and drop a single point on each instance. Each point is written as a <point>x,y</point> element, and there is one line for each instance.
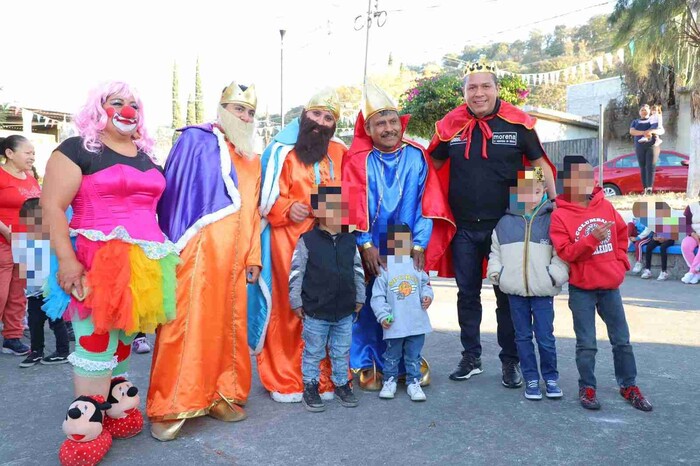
<point>410,348</point>
<point>535,314</point>
<point>321,334</point>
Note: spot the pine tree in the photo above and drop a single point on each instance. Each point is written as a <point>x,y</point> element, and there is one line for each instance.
<point>190,111</point>
<point>177,112</point>
<point>198,98</point>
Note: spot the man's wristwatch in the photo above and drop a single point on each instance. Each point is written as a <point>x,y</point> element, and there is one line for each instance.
<point>367,245</point>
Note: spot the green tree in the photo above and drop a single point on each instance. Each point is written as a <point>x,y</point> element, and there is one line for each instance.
<point>293,113</point>
<point>177,112</point>
<point>198,97</point>
<point>190,120</point>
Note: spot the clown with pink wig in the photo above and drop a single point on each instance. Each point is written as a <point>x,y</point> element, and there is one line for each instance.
<point>114,261</point>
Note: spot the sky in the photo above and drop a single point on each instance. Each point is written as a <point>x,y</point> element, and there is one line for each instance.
<point>56,51</point>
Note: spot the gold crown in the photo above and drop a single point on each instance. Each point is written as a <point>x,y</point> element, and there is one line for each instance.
<point>478,67</point>
<point>233,94</point>
<point>326,99</point>
<point>376,100</point>
<point>534,173</point>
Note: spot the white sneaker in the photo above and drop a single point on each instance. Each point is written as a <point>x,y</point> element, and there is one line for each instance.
<point>388,389</point>
<point>415,392</point>
<point>686,278</point>
<point>637,268</point>
<point>663,276</point>
<point>695,279</point>
<point>646,274</point>
<point>141,346</point>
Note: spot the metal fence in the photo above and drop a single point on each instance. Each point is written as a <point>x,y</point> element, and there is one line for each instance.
<point>557,150</point>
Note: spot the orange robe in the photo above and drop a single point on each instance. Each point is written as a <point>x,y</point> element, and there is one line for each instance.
<point>203,356</point>
<point>279,363</point>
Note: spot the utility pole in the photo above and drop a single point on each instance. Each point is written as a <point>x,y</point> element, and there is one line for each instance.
<point>282,33</point>
<point>380,17</point>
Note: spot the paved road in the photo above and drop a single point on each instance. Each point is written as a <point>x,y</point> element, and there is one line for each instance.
<point>473,422</point>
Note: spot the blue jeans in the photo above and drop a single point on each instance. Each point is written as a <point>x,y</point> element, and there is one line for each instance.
<point>321,334</point>
<point>540,311</point>
<point>408,347</point>
<point>583,304</point>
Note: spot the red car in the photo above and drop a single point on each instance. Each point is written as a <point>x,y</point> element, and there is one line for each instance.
<point>621,175</point>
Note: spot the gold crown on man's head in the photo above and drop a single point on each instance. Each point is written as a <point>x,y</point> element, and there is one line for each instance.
<point>234,94</point>
<point>480,67</point>
<point>326,99</point>
<point>376,100</point>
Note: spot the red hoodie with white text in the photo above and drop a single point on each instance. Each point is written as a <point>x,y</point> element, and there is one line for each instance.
<point>595,265</point>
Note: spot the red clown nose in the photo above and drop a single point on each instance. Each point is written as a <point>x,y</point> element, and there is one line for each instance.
<point>128,112</point>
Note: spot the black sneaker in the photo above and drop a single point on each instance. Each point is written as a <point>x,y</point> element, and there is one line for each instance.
<point>55,358</point>
<point>312,400</point>
<point>15,346</point>
<point>587,398</point>
<point>512,378</point>
<point>31,360</point>
<point>468,366</point>
<point>346,397</point>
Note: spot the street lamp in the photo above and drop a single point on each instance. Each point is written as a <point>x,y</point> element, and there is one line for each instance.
<point>282,33</point>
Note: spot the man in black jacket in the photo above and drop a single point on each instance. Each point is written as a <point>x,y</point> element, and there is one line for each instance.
<point>326,288</point>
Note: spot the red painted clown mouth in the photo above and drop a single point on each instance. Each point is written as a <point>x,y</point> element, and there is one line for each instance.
<point>77,437</point>
<point>125,121</point>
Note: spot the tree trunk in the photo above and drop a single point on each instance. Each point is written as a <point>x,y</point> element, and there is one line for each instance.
<point>694,168</point>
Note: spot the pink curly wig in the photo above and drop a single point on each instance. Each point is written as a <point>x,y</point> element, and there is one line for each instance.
<point>92,119</point>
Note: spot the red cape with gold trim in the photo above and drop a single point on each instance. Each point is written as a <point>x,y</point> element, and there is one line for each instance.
<point>434,204</point>
<point>445,130</point>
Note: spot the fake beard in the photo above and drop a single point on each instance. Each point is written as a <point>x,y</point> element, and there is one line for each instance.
<point>312,146</point>
<point>126,121</point>
<point>238,132</point>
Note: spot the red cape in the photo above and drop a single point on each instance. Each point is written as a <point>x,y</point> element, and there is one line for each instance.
<point>448,128</point>
<point>434,203</point>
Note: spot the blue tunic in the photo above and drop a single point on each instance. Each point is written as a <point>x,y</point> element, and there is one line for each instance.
<point>398,179</point>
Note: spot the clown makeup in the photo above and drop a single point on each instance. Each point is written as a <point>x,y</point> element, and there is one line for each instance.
<point>123,112</point>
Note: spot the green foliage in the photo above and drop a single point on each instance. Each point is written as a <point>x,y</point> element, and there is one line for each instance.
<point>429,100</point>
<point>190,120</point>
<point>198,97</point>
<point>177,112</point>
<point>513,89</point>
<point>293,113</point>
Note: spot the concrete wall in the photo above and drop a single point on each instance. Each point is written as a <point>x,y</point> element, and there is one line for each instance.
<point>584,99</point>
<point>550,131</point>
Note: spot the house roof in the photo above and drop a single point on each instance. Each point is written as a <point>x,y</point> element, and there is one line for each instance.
<point>561,117</point>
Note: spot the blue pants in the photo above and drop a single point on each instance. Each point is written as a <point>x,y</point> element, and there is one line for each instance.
<point>408,347</point>
<point>583,304</point>
<point>321,334</point>
<point>535,313</point>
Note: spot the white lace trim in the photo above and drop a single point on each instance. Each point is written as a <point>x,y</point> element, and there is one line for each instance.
<point>286,397</point>
<point>92,366</point>
<point>154,250</point>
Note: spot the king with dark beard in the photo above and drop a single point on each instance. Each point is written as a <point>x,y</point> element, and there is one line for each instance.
<point>302,156</point>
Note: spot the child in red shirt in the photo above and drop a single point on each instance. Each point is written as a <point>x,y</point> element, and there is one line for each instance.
<point>589,233</point>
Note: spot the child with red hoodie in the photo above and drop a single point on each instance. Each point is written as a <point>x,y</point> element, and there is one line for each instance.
<point>591,236</point>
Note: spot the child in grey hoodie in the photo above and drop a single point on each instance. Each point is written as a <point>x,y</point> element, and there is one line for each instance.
<point>401,296</point>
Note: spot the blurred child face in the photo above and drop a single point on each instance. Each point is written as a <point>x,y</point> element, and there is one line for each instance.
<point>399,244</point>
<point>34,225</point>
<point>331,210</point>
<point>529,191</point>
<point>580,182</point>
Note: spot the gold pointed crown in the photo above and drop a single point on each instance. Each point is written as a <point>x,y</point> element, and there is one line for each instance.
<point>325,99</point>
<point>376,100</point>
<point>233,94</point>
<point>534,173</point>
<point>480,67</point>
